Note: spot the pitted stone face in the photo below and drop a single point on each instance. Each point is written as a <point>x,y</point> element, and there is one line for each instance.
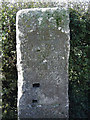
<point>42,61</point>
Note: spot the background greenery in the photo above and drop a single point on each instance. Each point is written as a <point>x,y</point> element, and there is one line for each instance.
<point>78,61</point>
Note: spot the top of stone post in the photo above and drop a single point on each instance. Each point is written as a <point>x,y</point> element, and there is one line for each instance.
<point>58,16</point>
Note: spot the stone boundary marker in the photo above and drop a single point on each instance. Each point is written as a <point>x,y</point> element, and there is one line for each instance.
<point>42,62</point>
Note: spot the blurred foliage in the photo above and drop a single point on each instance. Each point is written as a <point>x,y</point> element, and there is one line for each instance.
<point>78,68</point>
<point>79,63</point>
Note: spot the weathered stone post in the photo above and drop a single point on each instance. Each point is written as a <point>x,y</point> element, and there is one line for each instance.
<point>42,61</point>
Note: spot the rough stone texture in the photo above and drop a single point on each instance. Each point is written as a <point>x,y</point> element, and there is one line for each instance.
<point>42,61</point>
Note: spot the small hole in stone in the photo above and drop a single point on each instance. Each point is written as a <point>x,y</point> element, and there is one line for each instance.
<point>38,50</point>
<point>34,101</point>
<point>36,85</point>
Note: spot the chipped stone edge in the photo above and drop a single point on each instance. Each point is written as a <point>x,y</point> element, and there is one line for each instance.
<point>19,65</point>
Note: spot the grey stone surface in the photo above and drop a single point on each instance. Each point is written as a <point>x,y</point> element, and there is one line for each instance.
<point>42,62</point>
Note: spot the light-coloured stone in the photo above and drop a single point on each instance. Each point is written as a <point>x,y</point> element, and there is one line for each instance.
<point>42,62</point>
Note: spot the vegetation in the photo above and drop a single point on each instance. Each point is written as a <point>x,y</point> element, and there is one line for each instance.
<point>78,62</point>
